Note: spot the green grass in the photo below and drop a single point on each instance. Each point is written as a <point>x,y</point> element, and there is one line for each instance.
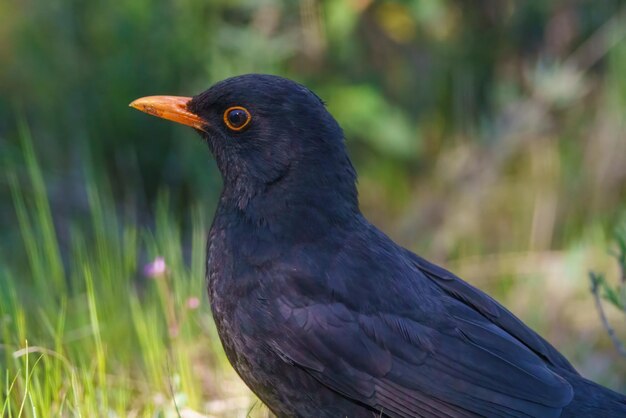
<point>86,332</point>
<point>89,334</point>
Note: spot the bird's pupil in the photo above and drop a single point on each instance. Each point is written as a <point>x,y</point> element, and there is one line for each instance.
<point>237,117</point>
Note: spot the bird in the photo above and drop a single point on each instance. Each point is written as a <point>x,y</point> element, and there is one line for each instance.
<point>322,314</point>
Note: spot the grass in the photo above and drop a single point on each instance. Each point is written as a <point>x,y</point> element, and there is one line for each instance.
<point>102,317</point>
<point>86,332</point>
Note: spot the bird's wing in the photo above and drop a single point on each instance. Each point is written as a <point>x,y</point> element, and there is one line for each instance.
<point>492,310</point>
<point>466,367</point>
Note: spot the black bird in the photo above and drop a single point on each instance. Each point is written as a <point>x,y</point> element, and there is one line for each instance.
<point>320,313</point>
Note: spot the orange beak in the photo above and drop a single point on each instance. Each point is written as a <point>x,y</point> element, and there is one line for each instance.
<point>172,108</point>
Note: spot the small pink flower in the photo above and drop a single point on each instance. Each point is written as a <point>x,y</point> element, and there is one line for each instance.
<point>173,330</point>
<point>155,269</point>
<point>193,303</point>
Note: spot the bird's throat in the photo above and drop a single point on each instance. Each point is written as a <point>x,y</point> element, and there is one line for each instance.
<point>292,208</point>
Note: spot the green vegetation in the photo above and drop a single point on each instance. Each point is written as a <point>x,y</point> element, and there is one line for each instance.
<point>488,137</point>
<point>614,294</point>
<point>90,334</point>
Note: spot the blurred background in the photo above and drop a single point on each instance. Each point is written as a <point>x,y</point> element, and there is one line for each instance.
<point>489,136</point>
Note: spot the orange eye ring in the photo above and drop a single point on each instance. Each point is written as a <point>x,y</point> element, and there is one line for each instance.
<point>235,112</point>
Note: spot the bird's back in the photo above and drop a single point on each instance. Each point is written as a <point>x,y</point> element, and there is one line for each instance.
<point>370,327</point>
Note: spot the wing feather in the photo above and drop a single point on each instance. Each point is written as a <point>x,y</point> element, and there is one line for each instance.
<point>491,309</point>
<point>407,369</point>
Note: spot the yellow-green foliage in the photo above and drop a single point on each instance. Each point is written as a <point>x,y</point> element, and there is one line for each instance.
<point>91,335</point>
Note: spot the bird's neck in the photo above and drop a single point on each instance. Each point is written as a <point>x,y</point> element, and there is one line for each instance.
<point>300,205</point>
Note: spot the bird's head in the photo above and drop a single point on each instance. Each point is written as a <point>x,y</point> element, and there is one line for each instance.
<point>269,135</point>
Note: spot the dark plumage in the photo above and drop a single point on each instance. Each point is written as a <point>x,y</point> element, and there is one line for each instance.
<point>323,315</point>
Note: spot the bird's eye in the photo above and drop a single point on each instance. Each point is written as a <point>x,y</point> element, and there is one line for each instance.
<point>237,118</point>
